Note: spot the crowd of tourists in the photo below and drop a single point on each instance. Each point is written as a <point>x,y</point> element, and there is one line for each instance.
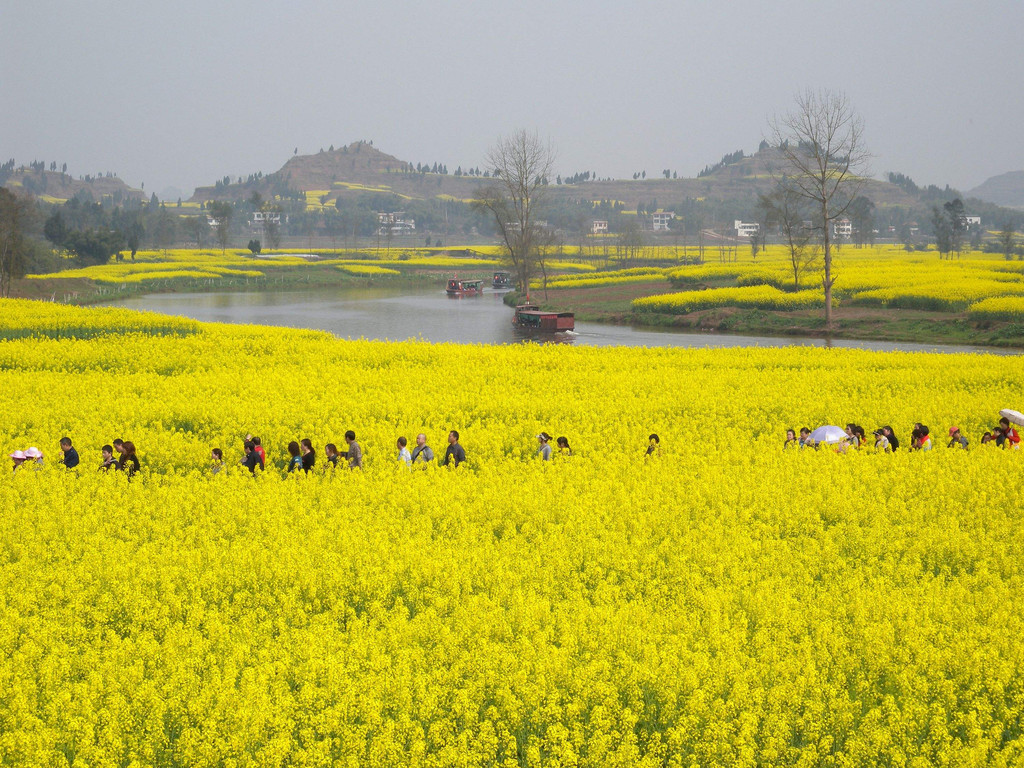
<point>121,455</point>
<point>302,454</point>
<point>885,440</point>
<point>126,460</point>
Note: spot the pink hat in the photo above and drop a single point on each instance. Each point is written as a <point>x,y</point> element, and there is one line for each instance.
<point>18,455</point>
<point>33,453</point>
<point>953,430</point>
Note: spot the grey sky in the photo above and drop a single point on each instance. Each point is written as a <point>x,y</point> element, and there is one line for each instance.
<point>182,93</point>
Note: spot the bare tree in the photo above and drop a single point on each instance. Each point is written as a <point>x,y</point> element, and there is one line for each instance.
<point>782,208</point>
<point>520,166</point>
<point>824,159</point>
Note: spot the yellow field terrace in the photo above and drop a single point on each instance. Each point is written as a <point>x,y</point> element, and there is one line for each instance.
<point>726,602</point>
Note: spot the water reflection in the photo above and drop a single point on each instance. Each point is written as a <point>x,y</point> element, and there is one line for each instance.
<point>399,313</point>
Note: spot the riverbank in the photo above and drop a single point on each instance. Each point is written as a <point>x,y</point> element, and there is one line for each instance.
<point>613,304</point>
<point>84,292</point>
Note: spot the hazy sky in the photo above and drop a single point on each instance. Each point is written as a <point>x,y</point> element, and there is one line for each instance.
<point>182,93</point>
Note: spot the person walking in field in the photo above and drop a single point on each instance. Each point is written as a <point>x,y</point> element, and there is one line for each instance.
<point>894,442</point>
<point>791,441</point>
<point>653,446</point>
<point>216,461</point>
<point>403,452</point>
<point>563,446</point>
<point>308,454</point>
<point>295,462</point>
<point>109,462</point>
<point>70,459</point>
<point>956,439</point>
<point>544,451</point>
<point>129,461</point>
<point>19,459</point>
<point>34,456</point>
<point>1010,435</point>
<point>331,452</point>
<point>455,452</point>
<point>252,459</point>
<point>354,454</point>
<point>881,441</point>
<point>422,453</point>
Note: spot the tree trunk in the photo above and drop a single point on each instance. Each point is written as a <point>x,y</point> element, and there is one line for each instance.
<point>828,279</point>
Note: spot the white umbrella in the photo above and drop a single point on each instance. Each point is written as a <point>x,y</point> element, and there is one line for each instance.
<point>1016,417</point>
<point>829,434</point>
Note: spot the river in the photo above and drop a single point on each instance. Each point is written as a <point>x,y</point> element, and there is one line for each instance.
<point>399,313</point>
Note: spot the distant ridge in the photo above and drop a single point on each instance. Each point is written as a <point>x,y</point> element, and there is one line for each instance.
<point>360,169</point>
<point>1006,189</point>
<point>56,187</point>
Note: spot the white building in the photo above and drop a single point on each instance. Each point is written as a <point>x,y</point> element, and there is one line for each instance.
<point>972,223</point>
<point>746,228</point>
<point>842,228</point>
<point>660,220</point>
<point>396,222</point>
<point>599,228</point>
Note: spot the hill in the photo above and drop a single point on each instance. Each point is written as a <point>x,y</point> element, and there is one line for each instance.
<point>1006,189</point>
<point>360,168</point>
<point>57,187</point>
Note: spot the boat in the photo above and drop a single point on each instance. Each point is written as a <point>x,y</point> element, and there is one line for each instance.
<point>458,287</point>
<point>531,317</point>
<point>502,280</point>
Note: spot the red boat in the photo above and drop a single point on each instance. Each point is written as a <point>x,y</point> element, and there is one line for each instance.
<point>531,317</point>
<point>458,287</point>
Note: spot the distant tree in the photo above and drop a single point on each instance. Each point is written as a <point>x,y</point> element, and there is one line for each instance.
<point>93,246</point>
<point>786,210</point>
<point>862,219</point>
<point>255,247</point>
<point>822,147</point>
<point>1007,236</point>
<point>165,229</point>
<point>133,234</point>
<point>520,162</point>
<point>14,251</point>
<point>942,231</point>
<point>956,219</point>
<point>222,213</point>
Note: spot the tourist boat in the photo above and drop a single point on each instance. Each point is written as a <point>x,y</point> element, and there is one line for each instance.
<point>531,317</point>
<point>458,287</point>
<point>502,280</point>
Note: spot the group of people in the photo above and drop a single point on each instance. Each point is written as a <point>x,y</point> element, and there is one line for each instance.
<point>121,454</point>
<point>884,439</point>
<point>127,460</point>
<point>302,454</point>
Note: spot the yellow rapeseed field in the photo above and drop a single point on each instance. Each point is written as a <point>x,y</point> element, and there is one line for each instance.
<point>724,603</point>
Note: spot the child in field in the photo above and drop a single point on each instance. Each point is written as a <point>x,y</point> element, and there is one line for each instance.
<point>216,461</point>
<point>563,447</point>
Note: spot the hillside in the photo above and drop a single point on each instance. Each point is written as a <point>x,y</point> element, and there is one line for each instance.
<point>56,187</point>
<point>1006,189</point>
<point>360,168</point>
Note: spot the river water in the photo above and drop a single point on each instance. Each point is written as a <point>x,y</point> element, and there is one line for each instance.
<point>399,313</point>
